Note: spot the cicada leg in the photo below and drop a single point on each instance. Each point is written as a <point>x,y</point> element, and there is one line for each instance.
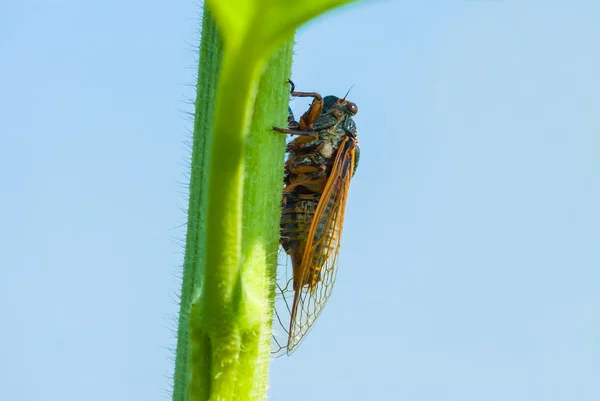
<point>294,131</point>
<point>311,177</point>
<point>310,116</point>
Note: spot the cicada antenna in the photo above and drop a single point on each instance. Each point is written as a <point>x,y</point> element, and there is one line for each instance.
<point>348,92</point>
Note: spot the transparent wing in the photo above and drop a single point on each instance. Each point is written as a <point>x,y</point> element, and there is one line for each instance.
<point>320,258</point>
<point>284,295</point>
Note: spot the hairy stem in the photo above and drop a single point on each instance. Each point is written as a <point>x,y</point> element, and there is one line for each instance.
<point>231,246</point>
<point>194,260</point>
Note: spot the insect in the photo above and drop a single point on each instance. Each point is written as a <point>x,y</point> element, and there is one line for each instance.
<point>321,162</point>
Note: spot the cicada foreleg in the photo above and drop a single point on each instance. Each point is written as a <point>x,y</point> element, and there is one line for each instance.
<point>308,119</point>
<point>310,116</point>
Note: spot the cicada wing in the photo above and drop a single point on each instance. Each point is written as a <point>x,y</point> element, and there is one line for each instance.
<point>320,259</point>
<point>284,295</point>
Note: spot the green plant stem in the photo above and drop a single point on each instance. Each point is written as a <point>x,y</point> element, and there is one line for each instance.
<point>231,248</point>
<point>231,320</point>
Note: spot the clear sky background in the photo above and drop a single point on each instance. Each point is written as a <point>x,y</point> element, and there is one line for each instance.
<point>471,251</point>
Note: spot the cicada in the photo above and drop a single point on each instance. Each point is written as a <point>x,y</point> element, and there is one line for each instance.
<point>321,161</point>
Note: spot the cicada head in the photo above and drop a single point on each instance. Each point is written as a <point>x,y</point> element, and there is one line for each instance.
<point>331,103</point>
<point>344,110</point>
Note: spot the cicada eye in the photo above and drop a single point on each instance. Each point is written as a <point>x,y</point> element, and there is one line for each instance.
<point>351,107</point>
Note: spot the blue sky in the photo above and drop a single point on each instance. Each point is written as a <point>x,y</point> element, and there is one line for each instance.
<point>469,264</point>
